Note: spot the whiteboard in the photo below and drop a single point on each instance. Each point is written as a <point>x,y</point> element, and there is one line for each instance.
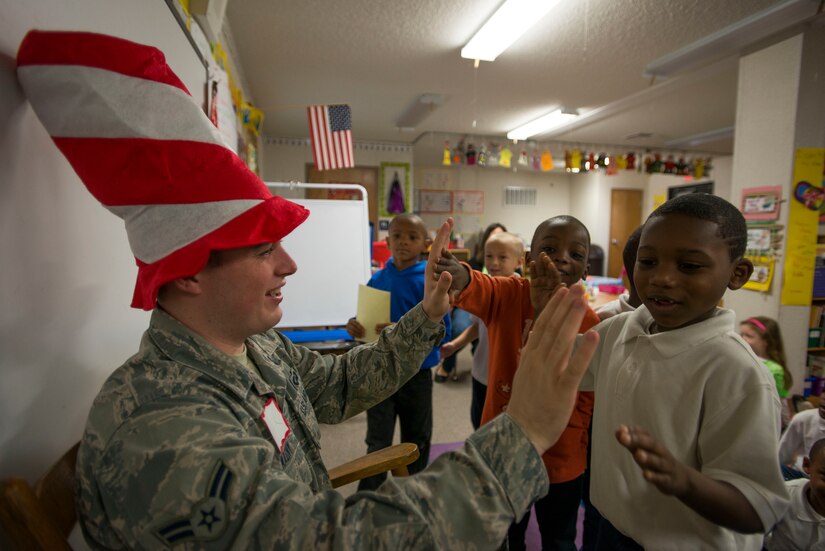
<point>332,251</point>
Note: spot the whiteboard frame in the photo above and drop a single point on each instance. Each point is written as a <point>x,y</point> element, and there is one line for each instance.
<point>324,291</point>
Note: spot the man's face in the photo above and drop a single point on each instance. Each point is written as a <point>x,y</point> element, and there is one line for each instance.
<point>501,258</point>
<point>407,241</point>
<point>682,270</point>
<point>568,247</point>
<point>243,288</point>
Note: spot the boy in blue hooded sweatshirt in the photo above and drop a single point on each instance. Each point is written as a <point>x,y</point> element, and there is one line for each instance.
<point>403,277</point>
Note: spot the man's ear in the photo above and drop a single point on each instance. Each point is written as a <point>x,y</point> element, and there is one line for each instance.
<point>806,465</point>
<point>741,274</point>
<point>187,285</point>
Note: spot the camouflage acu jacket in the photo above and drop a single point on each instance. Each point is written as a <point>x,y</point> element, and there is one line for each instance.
<point>176,452</point>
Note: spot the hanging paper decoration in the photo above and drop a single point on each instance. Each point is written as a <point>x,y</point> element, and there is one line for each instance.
<point>620,161</point>
<point>669,166</point>
<point>395,202</point>
<point>708,166</point>
<point>535,160</point>
<point>492,155</point>
<point>523,160</point>
<point>505,157</point>
<point>446,161</point>
<point>699,169</point>
<point>591,161</point>
<point>630,161</point>
<point>458,153</point>
<point>568,161</point>
<point>546,161</point>
<point>482,156</point>
<point>681,166</point>
<point>601,160</point>
<point>471,154</point>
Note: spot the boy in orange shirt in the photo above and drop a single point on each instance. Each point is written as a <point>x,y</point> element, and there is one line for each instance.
<point>508,306</point>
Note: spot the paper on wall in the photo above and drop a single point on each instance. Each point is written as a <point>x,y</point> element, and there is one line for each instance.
<point>373,308</point>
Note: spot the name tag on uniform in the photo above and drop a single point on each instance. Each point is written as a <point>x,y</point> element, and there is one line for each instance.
<point>276,423</point>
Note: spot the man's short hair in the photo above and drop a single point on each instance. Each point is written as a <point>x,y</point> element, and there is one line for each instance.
<point>730,223</point>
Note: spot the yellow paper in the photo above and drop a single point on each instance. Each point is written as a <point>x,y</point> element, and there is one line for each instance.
<point>373,308</point>
<point>762,275</point>
<point>803,219</point>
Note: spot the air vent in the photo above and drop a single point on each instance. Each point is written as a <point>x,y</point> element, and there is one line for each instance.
<point>639,136</point>
<point>519,196</point>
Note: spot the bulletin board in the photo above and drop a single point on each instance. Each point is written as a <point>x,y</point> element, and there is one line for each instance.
<point>332,251</point>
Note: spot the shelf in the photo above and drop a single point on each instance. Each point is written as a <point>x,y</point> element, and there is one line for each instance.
<point>818,349</point>
<point>818,299</point>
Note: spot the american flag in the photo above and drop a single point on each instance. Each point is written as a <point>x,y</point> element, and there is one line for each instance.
<point>330,127</point>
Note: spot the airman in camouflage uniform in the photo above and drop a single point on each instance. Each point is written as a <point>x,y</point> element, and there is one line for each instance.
<point>175,452</point>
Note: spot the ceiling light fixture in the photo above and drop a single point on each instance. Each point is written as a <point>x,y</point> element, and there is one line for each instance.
<point>511,20</point>
<point>419,110</point>
<point>543,124</point>
<point>734,38</point>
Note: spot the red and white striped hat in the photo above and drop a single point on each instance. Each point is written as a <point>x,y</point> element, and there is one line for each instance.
<point>148,153</point>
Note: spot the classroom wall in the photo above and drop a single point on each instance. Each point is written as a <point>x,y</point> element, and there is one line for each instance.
<point>285,159</point>
<point>552,197</point>
<point>68,275</point>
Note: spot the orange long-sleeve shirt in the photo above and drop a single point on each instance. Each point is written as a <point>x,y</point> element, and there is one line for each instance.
<point>503,304</point>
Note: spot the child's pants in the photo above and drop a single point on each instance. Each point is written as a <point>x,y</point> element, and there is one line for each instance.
<point>556,515</point>
<point>413,405</point>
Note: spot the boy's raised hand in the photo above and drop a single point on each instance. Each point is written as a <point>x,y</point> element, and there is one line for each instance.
<point>718,501</point>
<point>544,281</point>
<point>436,301</point>
<point>658,466</point>
<point>448,263</point>
<point>549,372</point>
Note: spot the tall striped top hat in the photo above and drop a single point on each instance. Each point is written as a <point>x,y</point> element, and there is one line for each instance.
<point>148,153</point>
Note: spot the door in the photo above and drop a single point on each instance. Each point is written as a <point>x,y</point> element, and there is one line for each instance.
<point>625,216</point>
<point>365,176</point>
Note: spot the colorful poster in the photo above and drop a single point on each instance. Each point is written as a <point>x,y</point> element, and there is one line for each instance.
<point>762,275</point>
<point>806,200</point>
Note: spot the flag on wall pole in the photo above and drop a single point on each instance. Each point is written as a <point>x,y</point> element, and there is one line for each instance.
<point>330,128</point>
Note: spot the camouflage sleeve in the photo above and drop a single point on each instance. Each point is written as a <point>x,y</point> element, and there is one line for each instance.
<point>189,473</point>
<point>342,386</point>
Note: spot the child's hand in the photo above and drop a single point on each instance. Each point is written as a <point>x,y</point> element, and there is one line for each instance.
<point>448,263</point>
<point>381,326</point>
<point>544,281</point>
<point>659,467</point>
<point>355,329</point>
<point>448,349</point>
<point>436,302</point>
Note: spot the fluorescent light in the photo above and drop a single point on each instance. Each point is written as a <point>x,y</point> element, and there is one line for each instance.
<point>734,38</point>
<point>542,124</point>
<point>507,24</point>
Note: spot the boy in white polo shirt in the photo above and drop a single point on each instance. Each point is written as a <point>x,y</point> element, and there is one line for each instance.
<point>685,427</point>
<point>803,526</point>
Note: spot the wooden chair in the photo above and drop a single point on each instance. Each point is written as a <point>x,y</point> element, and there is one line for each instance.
<point>43,517</point>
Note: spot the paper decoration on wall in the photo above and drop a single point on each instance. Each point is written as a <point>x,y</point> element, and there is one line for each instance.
<point>505,157</point>
<point>482,156</point>
<point>523,160</point>
<point>396,203</point>
<point>446,161</point>
<point>468,202</point>
<point>546,161</point>
<point>798,273</point>
<point>762,275</point>
<point>761,203</point>
<point>576,159</point>
<point>471,154</point>
<point>395,189</point>
<point>435,201</point>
